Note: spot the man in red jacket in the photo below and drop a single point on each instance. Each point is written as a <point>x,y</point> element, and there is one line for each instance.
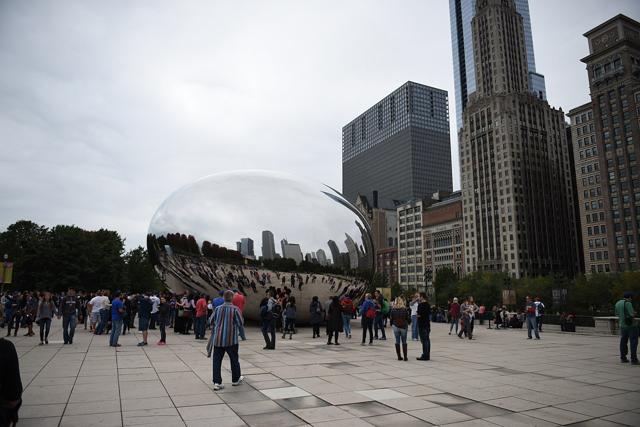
<point>201,317</point>
<point>454,315</point>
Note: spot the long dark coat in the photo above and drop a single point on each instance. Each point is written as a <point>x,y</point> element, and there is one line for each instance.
<point>334,317</point>
<point>315,309</point>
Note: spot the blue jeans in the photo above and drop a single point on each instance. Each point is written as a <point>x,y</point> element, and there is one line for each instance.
<point>378,324</point>
<point>116,328</point>
<point>102,324</point>
<point>629,334</point>
<point>68,327</point>
<point>426,342</point>
<point>45,326</point>
<point>269,328</point>
<point>454,321</point>
<point>346,324</point>
<point>400,334</point>
<point>414,327</point>
<point>218,355</point>
<point>199,327</point>
<point>532,325</point>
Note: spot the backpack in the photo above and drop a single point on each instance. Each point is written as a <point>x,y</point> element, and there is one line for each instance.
<point>277,310</point>
<point>347,306</point>
<point>370,313</point>
<point>385,307</point>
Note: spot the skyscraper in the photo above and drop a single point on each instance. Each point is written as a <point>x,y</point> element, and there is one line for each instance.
<point>322,257</point>
<point>268,245</point>
<point>461,13</point>
<point>607,140</point>
<point>514,161</point>
<point>246,247</point>
<point>291,251</point>
<point>400,147</point>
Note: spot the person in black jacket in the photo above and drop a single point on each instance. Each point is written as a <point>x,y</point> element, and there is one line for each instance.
<point>424,326</point>
<point>334,320</point>
<point>10,384</point>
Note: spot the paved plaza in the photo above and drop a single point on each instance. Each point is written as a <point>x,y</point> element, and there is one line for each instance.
<point>499,378</point>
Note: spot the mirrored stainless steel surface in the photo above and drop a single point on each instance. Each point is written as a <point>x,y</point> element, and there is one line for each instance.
<point>253,230</point>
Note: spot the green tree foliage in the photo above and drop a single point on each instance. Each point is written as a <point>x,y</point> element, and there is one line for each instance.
<point>64,256</point>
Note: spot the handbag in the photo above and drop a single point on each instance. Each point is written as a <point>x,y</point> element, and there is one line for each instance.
<point>180,312</point>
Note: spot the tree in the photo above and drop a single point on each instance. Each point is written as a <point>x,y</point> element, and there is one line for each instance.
<point>139,275</point>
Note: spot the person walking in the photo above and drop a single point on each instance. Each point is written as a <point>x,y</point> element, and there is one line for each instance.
<point>201,318</point>
<point>414,317</point>
<point>164,319</point>
<point>315,315</point>
<point>530,310</point>
<point>117,316</point>
<point>155,302</point>
<point>334,321</point>
<point>454,315</point>
<point>268,316</point>
<point>368,310</point>
<point>378,324</point>
<point>347,311</point>
<point>539,313</point>
<point>289,318</point>
<point>144,317</point>
<point>69,306</point>
<point>227,321</point>
<point>424,326</point>
<point>10,309</point>
<point>628,328</point>
<point>400,319</point>
<point>46,311</point>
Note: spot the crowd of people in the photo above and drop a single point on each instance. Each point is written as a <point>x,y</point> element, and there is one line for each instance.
<point>113,314</point>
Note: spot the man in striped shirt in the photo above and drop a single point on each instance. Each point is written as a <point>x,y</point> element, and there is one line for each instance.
<point>225,326</point>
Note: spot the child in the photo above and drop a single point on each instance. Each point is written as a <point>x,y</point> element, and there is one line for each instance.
<point>289,317</point>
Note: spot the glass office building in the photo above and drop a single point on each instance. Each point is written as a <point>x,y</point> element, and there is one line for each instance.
<point>399,148</point>
<point>461,13</point>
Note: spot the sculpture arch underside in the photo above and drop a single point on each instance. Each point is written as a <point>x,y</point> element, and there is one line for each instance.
<point>192,274</point>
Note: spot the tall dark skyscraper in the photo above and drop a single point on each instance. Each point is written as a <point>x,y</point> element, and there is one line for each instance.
<point>461,13</point>
<point>515,168</point>
<point>400,147</point>
<point>268,245</point>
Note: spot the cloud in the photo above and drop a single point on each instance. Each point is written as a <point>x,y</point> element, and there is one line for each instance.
<point>108,107</point>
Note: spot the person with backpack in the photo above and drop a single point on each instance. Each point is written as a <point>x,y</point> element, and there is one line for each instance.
<point>400,319</point>
<point>628,328</point>
<point>289,318</point>
<point>268,315</point>
<point>347,311</point>
<point>368,310</point>
<point>378,323</point>
<point>315,318</point>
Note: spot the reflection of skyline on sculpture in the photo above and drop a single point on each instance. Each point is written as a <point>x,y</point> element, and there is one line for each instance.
<point>255,230</point>
<point>238,206</point>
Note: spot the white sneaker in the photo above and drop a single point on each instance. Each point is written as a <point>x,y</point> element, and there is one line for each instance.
<point>218,386</point>
<point>240,381</point>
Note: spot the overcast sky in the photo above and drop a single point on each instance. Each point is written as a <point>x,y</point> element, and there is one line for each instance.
<point>107,107</point>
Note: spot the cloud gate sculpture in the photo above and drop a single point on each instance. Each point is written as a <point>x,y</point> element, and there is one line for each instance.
<point>254,230</point>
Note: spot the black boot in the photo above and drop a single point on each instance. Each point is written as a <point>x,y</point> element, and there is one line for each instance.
<point>398,351</point>
<point>404,351</point>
